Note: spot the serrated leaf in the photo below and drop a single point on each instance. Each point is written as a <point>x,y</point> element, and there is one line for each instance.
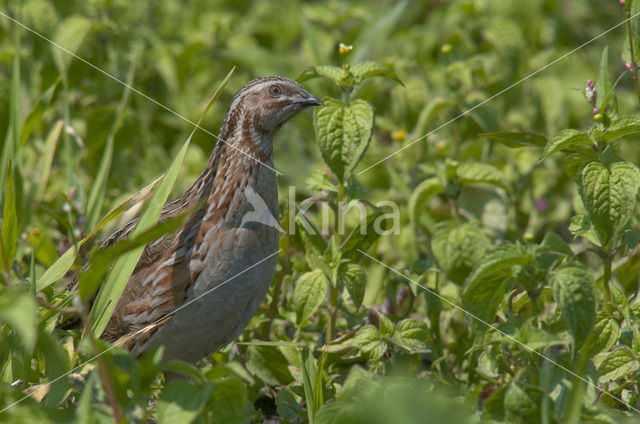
<point>621,127</point>
<point>476,172</point>
<point>370,342</point>
<point>385,325</point>
<point>369,69</point>
<point>574,289</point>
<point>343,131</point>
<point>353,277</point>
<point>609,195</point>
<point>606,332</point>
<point>566,139</point>
<point>617,364</point>
<point>69,34</point>
<point>412,335</point>
<point>309,293</point>
<point>486,285</point>
<point>421,194</point>
<point>515,139</point>
<point>458,248</point>
<point>269,364</point>
<point>335,74</point>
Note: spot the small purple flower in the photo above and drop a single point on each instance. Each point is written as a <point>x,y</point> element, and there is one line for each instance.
<point>622,3</point>
<point>541,204</point>
<point>596,110</point>
<point>628,66</point>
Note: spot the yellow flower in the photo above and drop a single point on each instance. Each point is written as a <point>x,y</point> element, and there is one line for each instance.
<point>399,135</point>
<point>344,49</point>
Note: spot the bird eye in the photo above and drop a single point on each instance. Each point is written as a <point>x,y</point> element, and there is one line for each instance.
<point>275,90</point>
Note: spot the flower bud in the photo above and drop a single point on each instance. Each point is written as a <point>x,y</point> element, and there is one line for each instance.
<point>597,117</point>
<point>596,111</point>
<point>628,66</point>
<point>590,92</point>
<point>622,3</point>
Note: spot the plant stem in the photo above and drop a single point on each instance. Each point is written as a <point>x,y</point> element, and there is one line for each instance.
<point>333,289</point>
<point>634,70</point>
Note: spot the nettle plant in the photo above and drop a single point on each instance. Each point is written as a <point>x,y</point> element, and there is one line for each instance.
<point>343,128</point>
<point>515,286</point>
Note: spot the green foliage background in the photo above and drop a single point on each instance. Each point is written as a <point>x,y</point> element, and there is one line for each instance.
<point>518,236</point>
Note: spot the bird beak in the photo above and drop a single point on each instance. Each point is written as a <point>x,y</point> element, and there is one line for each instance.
<point>311,100</point>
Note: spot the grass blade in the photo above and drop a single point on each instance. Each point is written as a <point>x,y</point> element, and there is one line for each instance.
<point>65,262</point>
<point>9,224</point>
<point>117,279</point>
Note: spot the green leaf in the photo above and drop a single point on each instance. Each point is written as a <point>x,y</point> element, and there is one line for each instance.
<point>269,364</point>
<point>580,226</point>
<point>458,248</point>
<point>57,365</point>
<point>35,116</point>
<point>9,227</point>
<point>309,378</point>
<point>606,332</point>
<point>18,310</point>
<point>229,402</point>
<point>64,262</point>
<point>309,293</point>
<point>353,277</point>
<point>370,69</point>
<point>621,127</point>
<point>603,85</point>
<point>182,401</point>
<point>335,74</point>
<point>617,364</point>
<point>522,406</point>
<point>412,335</point>
<point>565,140</point>
<point>122,269</point>
<point>477,172</point>
<point>370,342</point>
<point>574,289</point>
<point>69,34</point>
<point>421,194</point>
<point>515,139</point>
<point>385,325</point>
<point>609,195</point>
<point>486,285</point>
<point>343,131</point>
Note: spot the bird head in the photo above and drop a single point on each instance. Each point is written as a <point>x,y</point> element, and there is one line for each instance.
<point>269,102</point>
